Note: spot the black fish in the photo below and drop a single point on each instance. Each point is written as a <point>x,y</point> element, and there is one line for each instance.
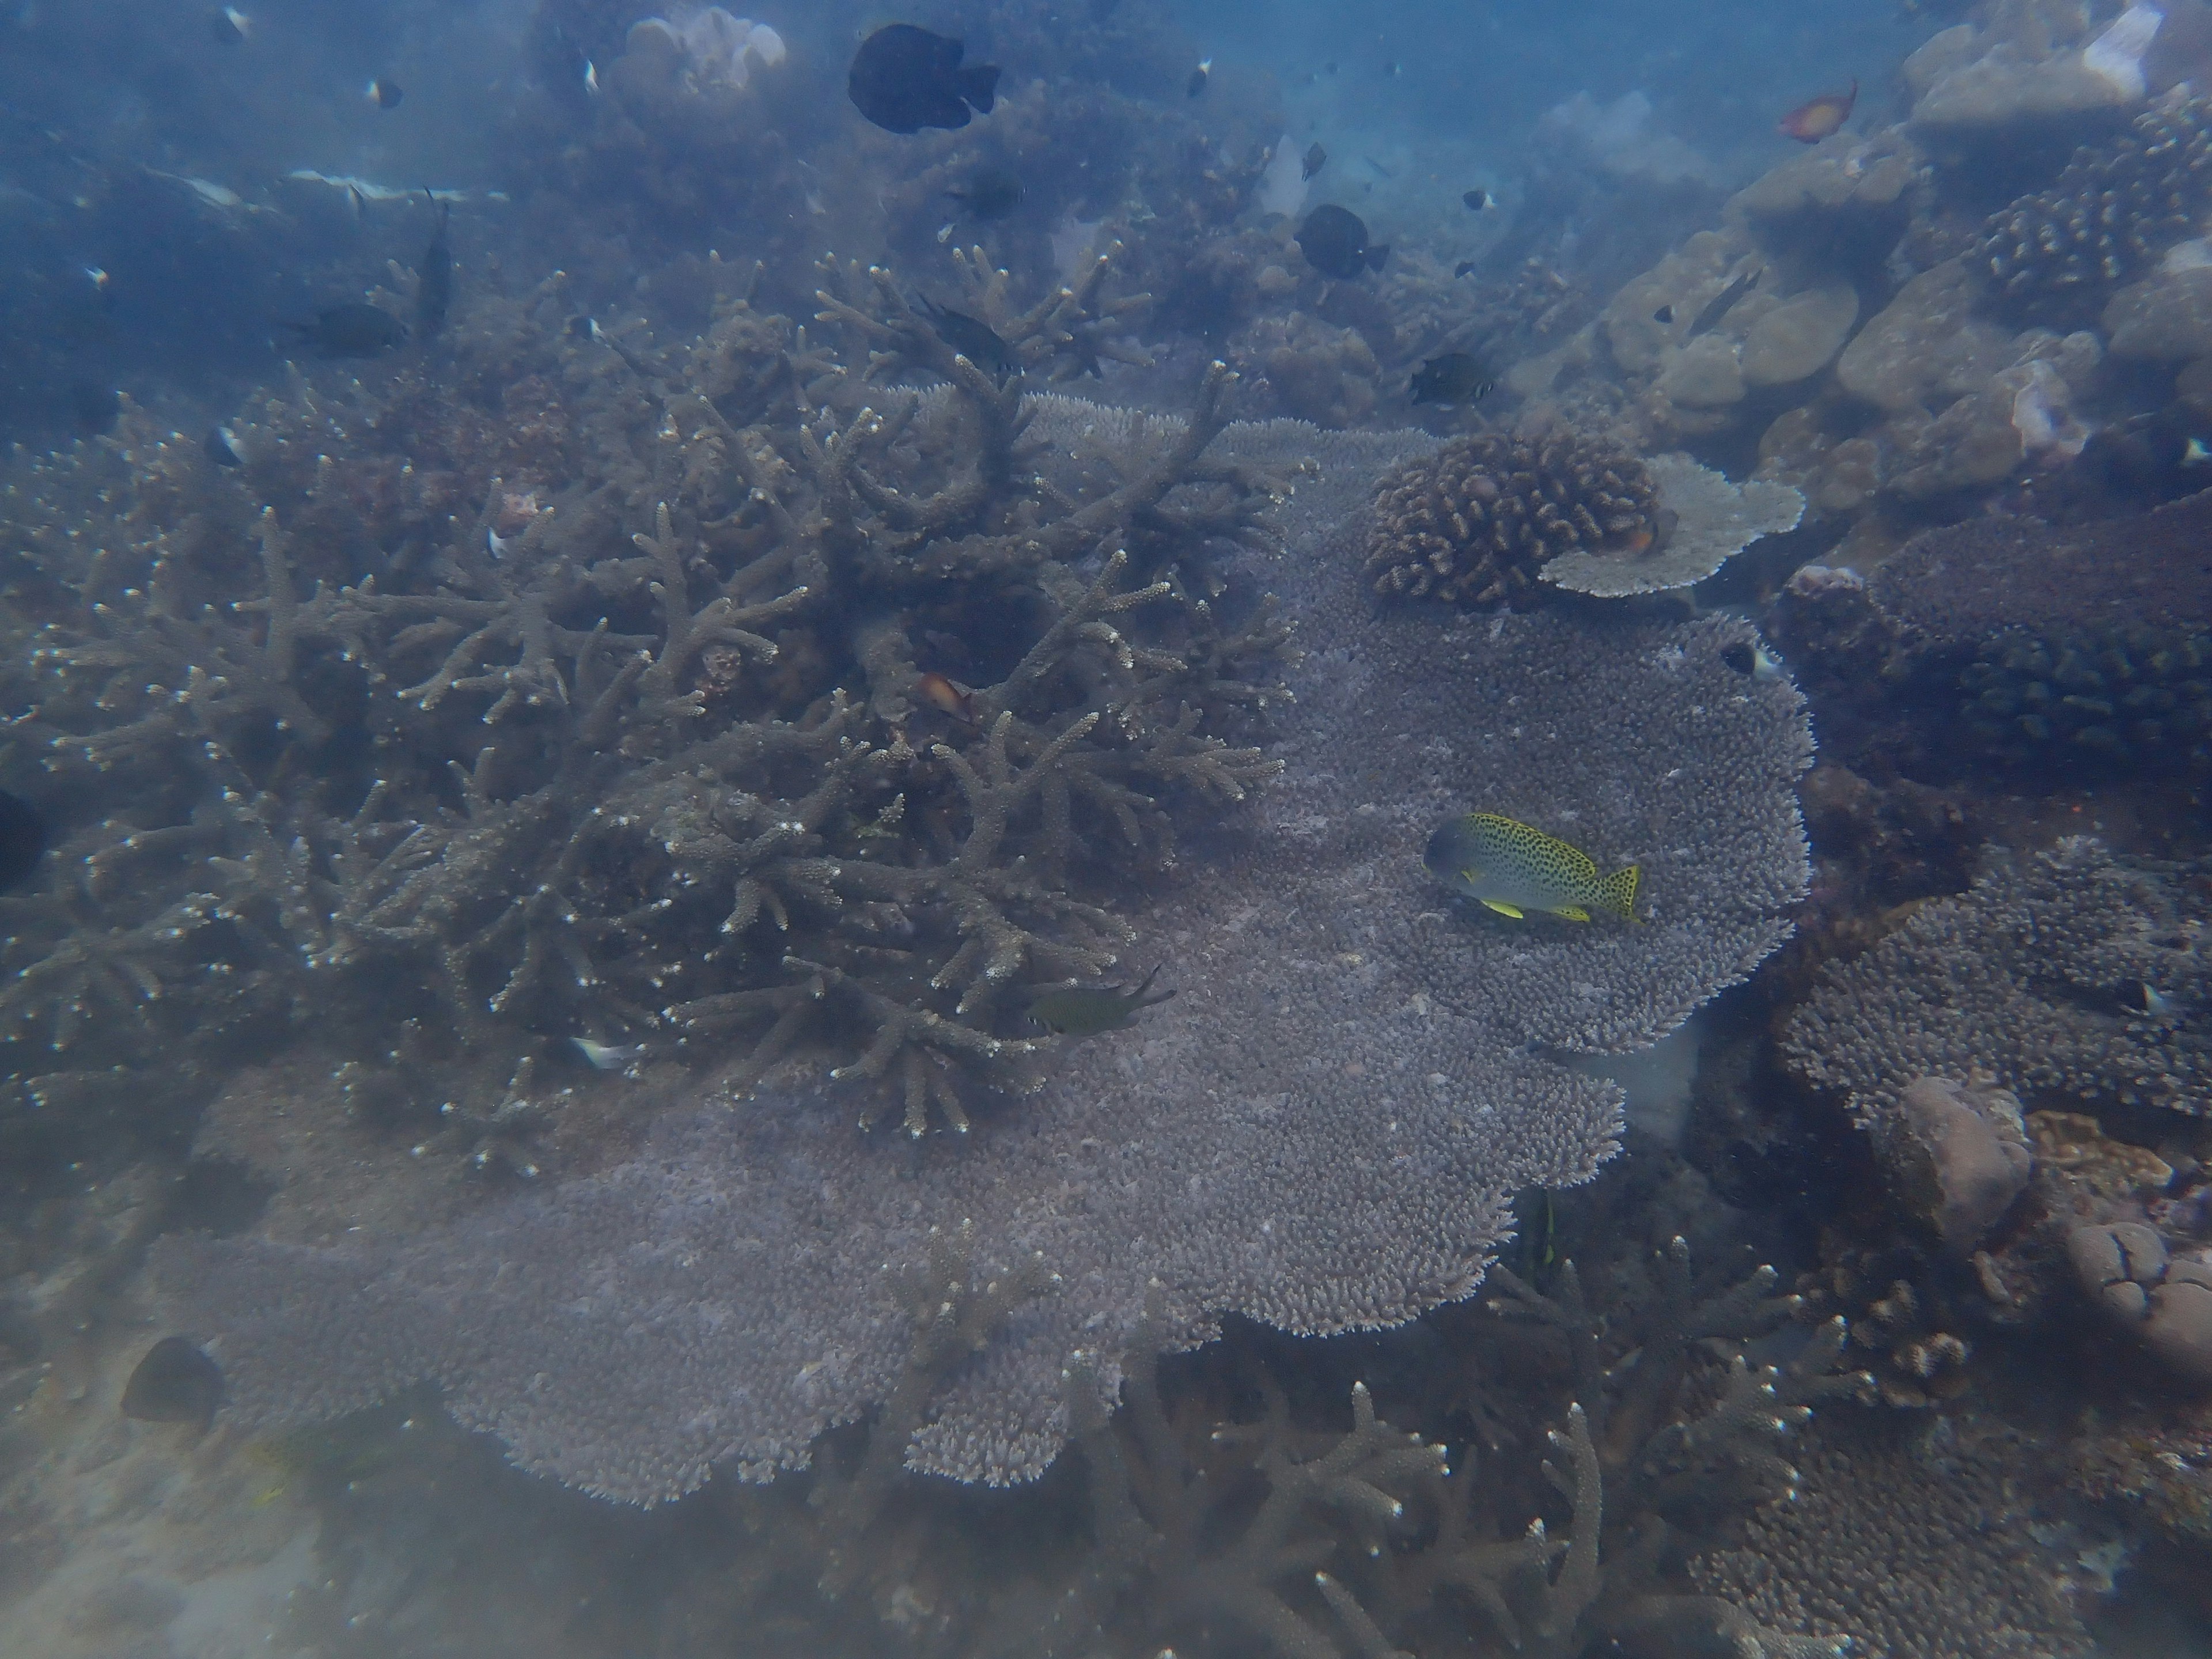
<point>222,448</point>
<point>1478,200</point>
<point>355,329</point>
<point>1334,241</point>
<point>434,276</point>
<point>384,94</point>
<point>1455,377</point>
<point>1717,306</point>
<point>1664,314</point>
<point>1378,167</point>
<point>95,406</point>
<point>905,78</point>
<point>227,26</point>
<point>1198,77</point>
<point>972,338</point>
<point>991,193</point>
<point>1317,159</point>
<point>22,841</point>
<point>1463,267</point>
<point>175,1383</point>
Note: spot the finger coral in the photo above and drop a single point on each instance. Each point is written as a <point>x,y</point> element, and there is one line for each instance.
<point>1474,523</point>
<point>1323,1130</point>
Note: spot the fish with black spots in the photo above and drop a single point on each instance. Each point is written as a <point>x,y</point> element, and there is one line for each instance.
<point>971,337</point>
<point>355,329</point>
<point>175,1383</point>
<point>434,276</point>
<point>905,78</point>
<point>1334,241</point>
<point>1513,868</point>
<point>1316,158</point>
<point>22,839</point>
<point>1454,377</point>
<point>988,193</point>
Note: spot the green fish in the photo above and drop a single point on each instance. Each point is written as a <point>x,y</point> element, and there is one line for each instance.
<point>1514,868</point>
<point>1080,1013</point>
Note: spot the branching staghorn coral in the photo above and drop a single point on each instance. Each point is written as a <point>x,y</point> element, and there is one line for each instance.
<point>604,760</point>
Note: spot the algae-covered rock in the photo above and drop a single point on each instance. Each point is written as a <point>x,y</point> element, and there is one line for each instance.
<point>1704,374</point>
<point>1845,173</point>
<point>1713,520</point>
<point>2029,65</point>
<point>1926,347</point>
<point>1955,1157</point>
<point>2165,319</point>
<point>1799,337</point>
<point>1655,313</point>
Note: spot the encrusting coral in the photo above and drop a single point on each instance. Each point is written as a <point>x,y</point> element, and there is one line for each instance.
<point>2035,977</point>
<point>1323,1130</point>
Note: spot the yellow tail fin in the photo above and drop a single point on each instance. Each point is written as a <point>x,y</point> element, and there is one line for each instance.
<point>1617,892</point>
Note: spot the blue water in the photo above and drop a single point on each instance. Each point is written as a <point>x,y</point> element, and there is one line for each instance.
<point>463,902</point>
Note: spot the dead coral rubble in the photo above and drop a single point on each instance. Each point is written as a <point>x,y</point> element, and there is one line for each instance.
<point>1474,523</point>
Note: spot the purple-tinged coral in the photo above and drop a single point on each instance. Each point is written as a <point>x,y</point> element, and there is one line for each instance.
<point>1323,1130</point>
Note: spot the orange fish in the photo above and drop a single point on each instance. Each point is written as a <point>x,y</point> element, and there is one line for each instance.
<point>1811,122</point>
<point>947,696</point>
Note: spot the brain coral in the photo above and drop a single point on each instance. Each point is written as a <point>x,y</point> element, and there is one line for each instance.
<point>1473,522</point>
<point>1324,1130</point>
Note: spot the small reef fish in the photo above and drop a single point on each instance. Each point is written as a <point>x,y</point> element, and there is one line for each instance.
<point>175,1383</point>
<point>1378,167</point>
<point>95,405</point>
<point>1717,306</point>
<point>947,696</point>
<point>971,337</point>
<point>355,329</point>
<point>1749,657</point>
<point>384,94</point>
<point>2146,998</point>
<point>1463,268</point>
<point>1513,868</point>
<point>1457,377</point>
<point>434,276</point>
<point>228,27</point>
<point>608,1056</point>
<point>22,841</point>
<point>1199,77</point>
<point>989,193</point>
<point>1080,1013</point>
<point>1664,314</point>
<point>1815,119</point>
<point>1334,241</point>
<point>591,78</point>
<point>1314,159</point>
<point>1478,201</point>
<point>221,445</point>
<point>2197,454</point>
<point>905,78</point>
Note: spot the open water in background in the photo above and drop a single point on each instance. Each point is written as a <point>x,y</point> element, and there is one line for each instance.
<point>117,275</point>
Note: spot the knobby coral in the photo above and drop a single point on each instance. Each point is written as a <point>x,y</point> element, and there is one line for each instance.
<point>1323,1130</point>
<point>1475,522</point>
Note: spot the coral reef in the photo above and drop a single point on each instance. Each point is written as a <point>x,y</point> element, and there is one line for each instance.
<point>1324,1135</point>
<point>2027,977</point>
<point>2069,651</point>
<point>1706,519</point>
<point>1475,523</point>
<point>1918,1552</point>
<point>2111,213</point>
<point>638,764</point>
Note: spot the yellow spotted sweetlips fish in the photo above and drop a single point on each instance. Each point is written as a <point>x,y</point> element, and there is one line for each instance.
<point>1514,868</point>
